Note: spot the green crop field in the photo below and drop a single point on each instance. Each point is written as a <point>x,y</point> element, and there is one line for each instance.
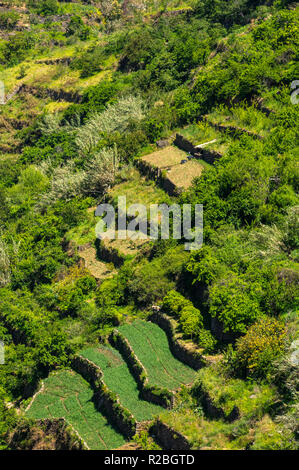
<point>66,394</point>
<point>119,379</point>
<point>151,346</point>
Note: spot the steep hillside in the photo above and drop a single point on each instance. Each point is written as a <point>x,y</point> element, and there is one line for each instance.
<point>139,342</point>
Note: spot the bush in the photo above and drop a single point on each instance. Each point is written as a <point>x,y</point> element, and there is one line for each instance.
<point>189,317</point>
<point>233,302</point>
<point>16,48</point>
<point>8,19</point>
<point>190,321</point>
<point>87,284</point>
<point>69,300</point>
<point>77,27</point>
<point>257,350</point>
<point>206,340</point>
<point>90,63</point>
<point>45,8</point>
<point>109,316</point>
<point>173,303</point>
<point>149,284</point>
<point>118,117</point>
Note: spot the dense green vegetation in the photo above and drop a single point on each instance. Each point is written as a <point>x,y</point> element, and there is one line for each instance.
<point>101,85</point>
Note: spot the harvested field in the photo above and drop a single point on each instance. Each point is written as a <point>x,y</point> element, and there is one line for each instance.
<point>98,269</point>
<point>165,158</point>
<point>169,159</point>
<point>128,246</point>
<point>183,175</point>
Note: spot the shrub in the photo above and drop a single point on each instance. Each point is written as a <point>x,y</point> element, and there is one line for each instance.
<point>262,344</point>
<point>69,300</point>
<point>190,321</point>
<point>206,340</point>
<point>149,283</point>
<point>117,117</point>
<point>87,284</point>
<point>90,63</point>
<point>45,8</point>
<point>154,129</point>
<point>189,317</point>
<point>16,48</point>
<point>234,304</point>
<point>173,303</point>
<point>77,27</point>
<point>8,19</point>
<point>109,316</point>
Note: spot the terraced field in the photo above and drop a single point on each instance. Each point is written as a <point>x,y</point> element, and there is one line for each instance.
<point>66,394</point>
<point>250,118</point>
<point>119,379</point>
<point>151,346</point>
<point>202,133</point>
<point>169,160</point>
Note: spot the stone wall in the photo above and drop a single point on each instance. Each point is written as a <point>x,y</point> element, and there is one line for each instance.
<point>235,130</point>
<point>105,400</point>
<point>216,412</point>
<point>108,403</point>
<point>46,434</point>
<point>55,95</point>
<point>208,156</point>
<point>177,347</point>
<point>61,60</point>
<point>168,438</point>
<point>152,393</point>
<point>109,254</point>
<point>89,371</point>
<point>156,174</point>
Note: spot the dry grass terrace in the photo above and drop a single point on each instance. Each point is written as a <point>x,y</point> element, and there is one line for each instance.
<point>169,159</point>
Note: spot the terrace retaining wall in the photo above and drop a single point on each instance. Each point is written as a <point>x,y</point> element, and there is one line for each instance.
<point>55,95</point>
<point>58,434</point>
<point>104,399</point>
<point>208,156</point>
<point>178,349</point>
<point>168,437</point>
<point>61,60</point>
<point>231,129</point>
<point>215,412</point>
<point>151,393</point>
<point>89,371</point>
<point>156,174</point>
<point>109,254</point>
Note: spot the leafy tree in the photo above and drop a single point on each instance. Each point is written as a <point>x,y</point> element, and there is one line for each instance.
<point>46,7</point>
<point>77,27</point>
<point>234,302</point>
<point>263,343</point>
<point>8,419</point>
